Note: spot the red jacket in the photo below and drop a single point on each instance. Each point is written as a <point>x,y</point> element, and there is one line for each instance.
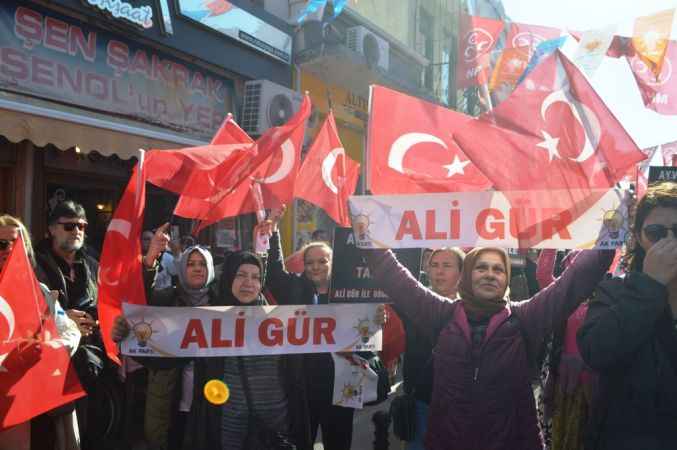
<point>482,396</point>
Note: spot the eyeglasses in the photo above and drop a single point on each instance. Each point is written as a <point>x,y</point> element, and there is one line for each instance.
<point>6,245</point>
<point>70,226</point>
<point>655,232</point>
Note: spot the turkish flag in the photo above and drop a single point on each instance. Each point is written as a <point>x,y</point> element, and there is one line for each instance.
<point>120,267</point>
<point>327,161</point>
<point>267,179</point>
<point>478,38</point>
<point>659,93</point>
<point>411,149</point>
<point>36,374</point>
<point>562,138</point>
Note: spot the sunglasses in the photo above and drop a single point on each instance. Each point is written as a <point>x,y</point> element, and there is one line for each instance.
<point>70,226</point>
<point>6,245</point>
<point>655,232</point>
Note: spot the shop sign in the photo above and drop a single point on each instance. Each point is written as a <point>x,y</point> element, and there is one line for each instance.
<point>55,57</point>
<point>225,18</point>
<point>141,16</point>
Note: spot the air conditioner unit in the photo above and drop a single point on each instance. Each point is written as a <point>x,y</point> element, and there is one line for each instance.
<point>267,105</point>
<point>374,48</point>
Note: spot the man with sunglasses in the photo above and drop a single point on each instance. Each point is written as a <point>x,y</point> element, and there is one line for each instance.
<point>630,336</point>
<point>64,266</point>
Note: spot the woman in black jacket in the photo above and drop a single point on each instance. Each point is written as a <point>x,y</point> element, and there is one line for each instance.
<point>312,287</point>
<point>630,336</point>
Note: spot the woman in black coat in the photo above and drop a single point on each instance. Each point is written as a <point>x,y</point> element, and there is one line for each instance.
<point>312,287</point>
<point>630,336</point>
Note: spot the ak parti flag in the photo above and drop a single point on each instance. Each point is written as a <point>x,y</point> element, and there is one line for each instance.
<point>36,374</point>
<point>650,38</point>
<point>563,138</point>
<point>411,150</point>
<point>659,93</point>
<point>120,267</point>
<point>327,161</point>
<point>267,179</point>
<point>478,38</point>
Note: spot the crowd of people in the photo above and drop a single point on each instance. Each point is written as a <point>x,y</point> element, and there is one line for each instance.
<point>588,362</point>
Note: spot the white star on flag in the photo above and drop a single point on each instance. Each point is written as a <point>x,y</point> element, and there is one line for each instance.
<point>456,167</point>
<point>550,144</point>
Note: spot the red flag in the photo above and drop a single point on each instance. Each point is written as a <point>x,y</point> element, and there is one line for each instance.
<point>659,93</point>
<point>36,374</point>
<point>274,172</point>
<point>327,161</point>
<point>120,268</point>
<point>478,37</point>
<point>411,149</point>
<point>563,138</point>
<point>529,36</point>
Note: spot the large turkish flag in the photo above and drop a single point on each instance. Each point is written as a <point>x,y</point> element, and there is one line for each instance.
<point>562,138</point>
<point>411,149</point>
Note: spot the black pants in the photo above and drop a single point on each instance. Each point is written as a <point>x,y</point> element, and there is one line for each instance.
<point>336,421</point>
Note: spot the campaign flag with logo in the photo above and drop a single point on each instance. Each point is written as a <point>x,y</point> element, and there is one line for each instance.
<point>659,93</point>
<point>327,161</point>
<point>592,47</point>
<point>509,68</point>
<point>120,267</point>
<point>411,150</point>
<point>528,37</point>
<point>478,38</point>
<point>36,374</point>
<point>564,138</point>
<point>650,38</point>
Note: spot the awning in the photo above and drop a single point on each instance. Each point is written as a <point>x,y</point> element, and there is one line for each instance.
<point>45,123</point>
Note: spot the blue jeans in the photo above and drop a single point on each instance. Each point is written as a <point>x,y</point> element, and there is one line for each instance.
<point>421,426</point>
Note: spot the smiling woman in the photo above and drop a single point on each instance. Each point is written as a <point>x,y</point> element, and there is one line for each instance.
<point>486,344</point>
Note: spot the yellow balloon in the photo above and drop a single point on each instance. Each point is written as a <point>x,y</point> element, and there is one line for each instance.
<point>216,392</point>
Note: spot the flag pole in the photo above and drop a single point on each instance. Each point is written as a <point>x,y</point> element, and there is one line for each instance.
<point>139,177</point>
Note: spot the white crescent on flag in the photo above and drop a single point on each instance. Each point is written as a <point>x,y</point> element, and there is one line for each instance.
<point>7,312</point>
<point>288,158</point>
<point>404,143</point>
<point>592,132</point>
<point>328,165</point>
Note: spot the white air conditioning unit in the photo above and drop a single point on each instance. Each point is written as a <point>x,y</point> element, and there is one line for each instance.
<point>267,105</point>
<point>374,48</point>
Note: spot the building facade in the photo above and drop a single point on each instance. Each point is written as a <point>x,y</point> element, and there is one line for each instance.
<point>84,84</point>
<point>407,45</point>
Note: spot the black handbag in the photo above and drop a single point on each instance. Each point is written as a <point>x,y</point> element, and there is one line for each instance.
<point>259,436</point>
<point>383,384</point>
<point>403,415</point>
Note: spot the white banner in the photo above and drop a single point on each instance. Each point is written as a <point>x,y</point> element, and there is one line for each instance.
<point>250,330</point>
<point>480,219</point>
<point>592,49</point>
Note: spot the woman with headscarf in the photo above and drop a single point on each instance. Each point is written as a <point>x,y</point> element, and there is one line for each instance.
<point>275,383</point>
<point>169,393</point>
<point>629,336</point>
<point>311,287</point>
<point>483,360</point>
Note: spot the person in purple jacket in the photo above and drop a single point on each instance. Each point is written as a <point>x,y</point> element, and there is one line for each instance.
<point>482,396</point>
